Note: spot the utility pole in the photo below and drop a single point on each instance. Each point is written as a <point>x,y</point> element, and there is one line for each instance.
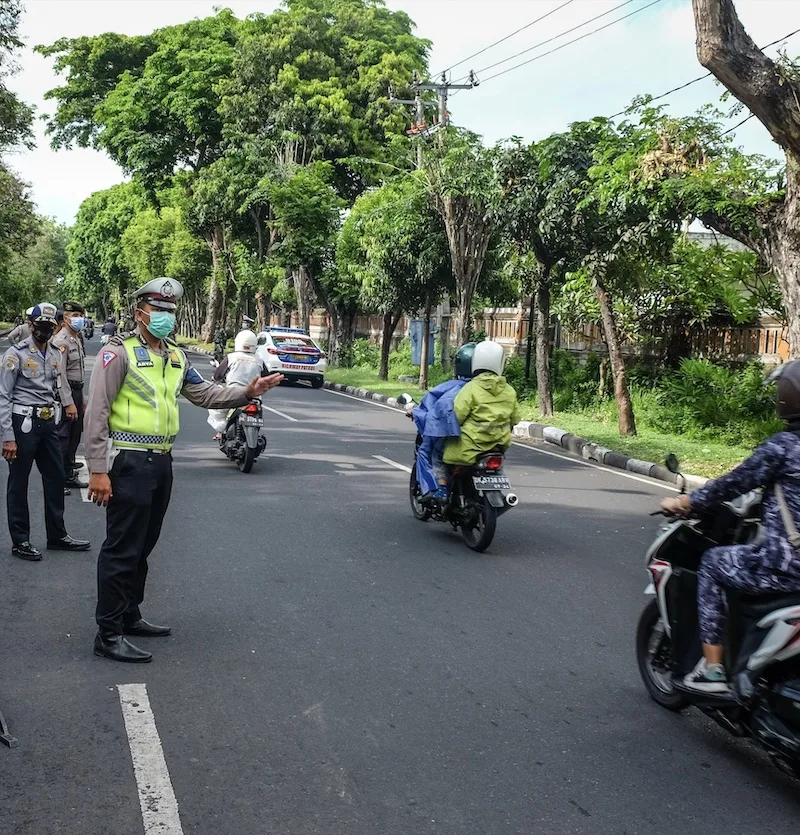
<point>442,88</point>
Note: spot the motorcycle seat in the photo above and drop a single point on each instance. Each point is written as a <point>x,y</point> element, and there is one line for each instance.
<point>759,605</point>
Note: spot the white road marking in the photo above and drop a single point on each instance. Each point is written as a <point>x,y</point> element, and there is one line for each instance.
<point>393,463</point>
<point>280,414</point>
<point>362,400</point>
<point>156,796</point>
<point>562,456</point>
<point>83,471</point>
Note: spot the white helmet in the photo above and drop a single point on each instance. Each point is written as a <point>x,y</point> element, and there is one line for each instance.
<point>488,356</point>
<point>245,342</point>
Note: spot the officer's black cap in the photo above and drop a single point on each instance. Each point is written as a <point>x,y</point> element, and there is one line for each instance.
<point>74,307</point>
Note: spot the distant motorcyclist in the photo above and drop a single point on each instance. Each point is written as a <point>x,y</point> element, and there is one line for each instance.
<point>436,422</point>
<point>108,330</point>
<point>770,565</point>
<point>239,368</point>
<point>486,408</point>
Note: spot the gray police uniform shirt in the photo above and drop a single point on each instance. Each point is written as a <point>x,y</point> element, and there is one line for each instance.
<point>71,346</point>
<point>19,333</point>
<point>30,378</point>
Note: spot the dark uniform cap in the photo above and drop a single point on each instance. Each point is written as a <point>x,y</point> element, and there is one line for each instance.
<point>162,293</point>
<point>74,307</point>
<point>44,312</point>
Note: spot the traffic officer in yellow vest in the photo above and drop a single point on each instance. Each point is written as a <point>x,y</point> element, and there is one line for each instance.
<point>131,422</point>
<point>30,378</point>
<point>68,341</point>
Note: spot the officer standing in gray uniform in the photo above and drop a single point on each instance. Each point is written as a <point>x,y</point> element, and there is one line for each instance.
<point>22,331</point>
<point>68,341</point>
<point>30,378</point>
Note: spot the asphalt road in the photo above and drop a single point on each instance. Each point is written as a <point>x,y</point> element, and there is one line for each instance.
<point>337,667</point>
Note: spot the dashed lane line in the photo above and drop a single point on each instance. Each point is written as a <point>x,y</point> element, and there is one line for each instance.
<point>394,464</point>
<point>156,795</point>
<point>280,414</point>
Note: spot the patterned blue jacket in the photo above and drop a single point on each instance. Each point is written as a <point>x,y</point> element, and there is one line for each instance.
<point>776,460</point>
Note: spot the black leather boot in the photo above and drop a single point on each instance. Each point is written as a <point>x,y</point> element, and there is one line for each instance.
<point>144,629</point>
<point>118,648</point>
<point>26,551</point>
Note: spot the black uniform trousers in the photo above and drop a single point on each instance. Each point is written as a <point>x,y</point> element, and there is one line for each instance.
<point>39,445</point>
<point>70,431</point>
<point>141,484</point>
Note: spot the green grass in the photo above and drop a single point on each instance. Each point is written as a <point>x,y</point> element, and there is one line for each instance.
<point>367,379</point>
<point>191,342</point>
<point>697,456</point>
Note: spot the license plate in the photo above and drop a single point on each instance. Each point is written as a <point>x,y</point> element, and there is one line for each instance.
<point>298,357</point>
<point>295,367</point>
<point>491,482</point>
<point>246,420</point>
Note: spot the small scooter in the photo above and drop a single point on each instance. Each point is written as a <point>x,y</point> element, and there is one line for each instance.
<point>241,440</point>
<point>762,646</point>
<point>478,495</point>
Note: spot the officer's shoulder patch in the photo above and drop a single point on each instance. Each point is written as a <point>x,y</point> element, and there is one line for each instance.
<point>63,348</point>
<point>193,375</point>
<point>108,356</point>
<point>12,361</point>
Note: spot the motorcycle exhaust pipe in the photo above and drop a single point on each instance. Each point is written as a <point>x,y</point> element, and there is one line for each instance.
<point>512,499</point>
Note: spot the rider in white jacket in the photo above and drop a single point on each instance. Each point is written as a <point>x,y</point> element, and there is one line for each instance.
<point>239,368</point>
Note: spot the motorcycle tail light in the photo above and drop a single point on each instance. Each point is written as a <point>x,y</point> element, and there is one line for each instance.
<point>251,409</point>
<point>494,462</point>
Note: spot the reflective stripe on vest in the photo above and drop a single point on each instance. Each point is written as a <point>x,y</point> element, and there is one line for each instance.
<point>145,412</point>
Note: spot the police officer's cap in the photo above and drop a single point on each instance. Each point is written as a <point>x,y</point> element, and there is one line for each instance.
<point>29,311</point>
<point>162,293</point>
<point>74,307</point>
<point>44,312</point>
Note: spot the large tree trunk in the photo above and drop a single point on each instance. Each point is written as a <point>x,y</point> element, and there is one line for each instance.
<point>773,96</point>
<point>468,234</point>
<point>344,328</point>
<point>304,293</point>
<point>426,344</point>
<point>215,238</point>
<point>625,418</point>
<point>390,322</point>
<point>543,385</point>
<point>263,307</point>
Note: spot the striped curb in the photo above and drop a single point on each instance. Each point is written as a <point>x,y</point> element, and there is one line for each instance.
<point>530,432</point>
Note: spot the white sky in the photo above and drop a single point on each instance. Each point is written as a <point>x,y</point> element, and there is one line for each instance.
<point>649,53</point>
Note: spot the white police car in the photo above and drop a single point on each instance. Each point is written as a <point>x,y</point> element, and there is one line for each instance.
<point>293,353</point>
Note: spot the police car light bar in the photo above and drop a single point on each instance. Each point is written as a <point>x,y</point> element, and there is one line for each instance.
<point>277,329</point>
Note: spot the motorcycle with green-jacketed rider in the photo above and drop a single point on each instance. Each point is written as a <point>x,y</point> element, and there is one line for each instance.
<point>463,429</point>
<point>762,640</point>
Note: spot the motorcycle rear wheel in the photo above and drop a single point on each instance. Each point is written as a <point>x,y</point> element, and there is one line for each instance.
<point>245,461</point>
<point>417,507</point>
<point>657,684</point>
<point>479,537</point>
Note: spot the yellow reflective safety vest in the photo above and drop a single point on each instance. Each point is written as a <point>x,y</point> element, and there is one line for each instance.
<point>144,415</point>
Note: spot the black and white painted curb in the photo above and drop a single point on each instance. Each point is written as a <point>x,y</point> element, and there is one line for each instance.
<point>538,433</point>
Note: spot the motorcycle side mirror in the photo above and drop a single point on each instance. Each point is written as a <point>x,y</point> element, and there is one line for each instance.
<point>673,465</point>
<point>262,340</point>
<point>405,400</point>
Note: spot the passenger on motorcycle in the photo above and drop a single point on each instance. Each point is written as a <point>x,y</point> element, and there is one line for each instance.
<point>239,368</point>
<point>486,408</point>
<point>770,565</point>
<point>436,422</point>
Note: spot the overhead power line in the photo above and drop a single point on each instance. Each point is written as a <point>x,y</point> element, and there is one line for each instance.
<point>574,40</point>
<point>503,40</point>
<point>705,75</point>
<point>554,37</point>
<point>738,125</point>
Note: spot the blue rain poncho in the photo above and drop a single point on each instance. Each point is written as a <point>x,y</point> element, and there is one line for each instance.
<point>436,421</point>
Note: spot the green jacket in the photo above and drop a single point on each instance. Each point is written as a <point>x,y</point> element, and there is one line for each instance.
<point>486,409</point>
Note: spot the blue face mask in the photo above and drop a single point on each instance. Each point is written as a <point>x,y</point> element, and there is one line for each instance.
<point>77,323</point>
<point>161,324</point>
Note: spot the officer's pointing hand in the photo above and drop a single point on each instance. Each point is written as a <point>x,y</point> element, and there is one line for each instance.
<point>100,488</point>
<point>262,384</point>
<point>71,412</point>
<point>10,450</point>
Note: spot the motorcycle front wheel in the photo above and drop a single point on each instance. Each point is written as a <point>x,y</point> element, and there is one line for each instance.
<point>417,507</point>
<point>478,531</point>
<point>653,647</point>
<point>245,460</point>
